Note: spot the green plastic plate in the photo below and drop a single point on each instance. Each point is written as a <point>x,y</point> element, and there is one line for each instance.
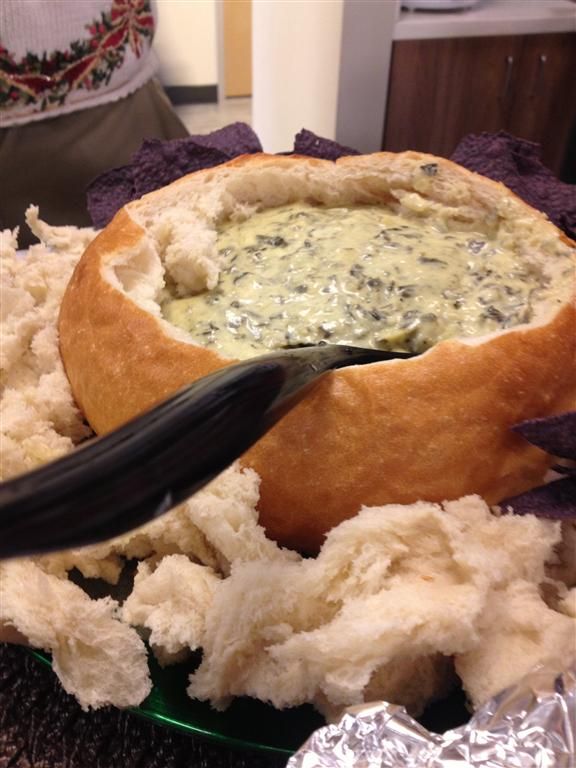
<point>246,724</point>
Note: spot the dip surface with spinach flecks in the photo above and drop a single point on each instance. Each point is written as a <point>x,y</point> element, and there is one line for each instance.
<point>359,275</point>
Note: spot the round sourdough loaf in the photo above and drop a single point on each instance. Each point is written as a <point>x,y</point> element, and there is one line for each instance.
<point>435,427</point>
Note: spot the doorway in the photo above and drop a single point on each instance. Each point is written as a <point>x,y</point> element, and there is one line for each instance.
<point>237,44</point>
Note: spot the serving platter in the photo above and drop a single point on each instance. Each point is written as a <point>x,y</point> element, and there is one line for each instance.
<point>247,723</point>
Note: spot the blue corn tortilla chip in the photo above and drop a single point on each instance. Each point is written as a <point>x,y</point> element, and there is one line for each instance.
<point>554,501</point>
<point>234,139</point>
<point>108,193</point>
<point>307,143</point>
<point>556,435</point>
<point>517,164</point>
<point>158,163</point>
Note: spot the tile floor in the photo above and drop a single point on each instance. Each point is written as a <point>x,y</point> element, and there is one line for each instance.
<point>203,118</point>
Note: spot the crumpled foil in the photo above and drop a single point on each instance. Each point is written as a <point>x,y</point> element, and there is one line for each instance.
<point>529,725</point>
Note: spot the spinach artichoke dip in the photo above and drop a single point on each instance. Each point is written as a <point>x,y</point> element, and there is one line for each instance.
<point>360,275</point>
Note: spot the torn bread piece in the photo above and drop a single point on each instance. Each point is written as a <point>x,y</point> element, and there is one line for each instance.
<point>39,420</point>
<point>517,632</point>
<point>171,602</point>
<point>392,588</point>
<point>97,658</point>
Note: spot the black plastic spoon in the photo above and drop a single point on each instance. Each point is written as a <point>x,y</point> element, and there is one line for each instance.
<point>119,481</point>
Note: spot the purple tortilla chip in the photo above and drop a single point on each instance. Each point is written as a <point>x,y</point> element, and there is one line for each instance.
<point>108,193</point>
<point>556,434</point>
<point>517,164</point>
<point>307,143</point>
<point>234,139</point>
<point>554,501</point>
<point>158,163</point>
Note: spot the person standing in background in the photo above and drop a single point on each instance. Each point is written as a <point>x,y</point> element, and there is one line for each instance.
<point>78,95</point>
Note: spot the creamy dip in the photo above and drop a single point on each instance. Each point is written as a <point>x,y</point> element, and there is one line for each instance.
<point>359,275</point>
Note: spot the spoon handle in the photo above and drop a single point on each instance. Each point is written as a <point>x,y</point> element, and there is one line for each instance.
<point>128,477</point>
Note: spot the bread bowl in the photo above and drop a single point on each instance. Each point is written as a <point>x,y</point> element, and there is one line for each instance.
<point>434,427</point>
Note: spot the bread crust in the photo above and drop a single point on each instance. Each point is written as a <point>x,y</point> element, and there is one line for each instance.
<point>432,428</point>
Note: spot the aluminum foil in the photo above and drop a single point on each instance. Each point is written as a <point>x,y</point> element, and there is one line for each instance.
<point>529,725</point>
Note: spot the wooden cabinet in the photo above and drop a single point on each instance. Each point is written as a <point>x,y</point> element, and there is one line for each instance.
<point>441,90</point>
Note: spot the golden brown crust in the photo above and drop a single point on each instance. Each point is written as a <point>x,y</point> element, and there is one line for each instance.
<point>432,428</point>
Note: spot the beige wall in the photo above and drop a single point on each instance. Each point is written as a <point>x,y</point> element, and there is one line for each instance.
<point>186,42</point>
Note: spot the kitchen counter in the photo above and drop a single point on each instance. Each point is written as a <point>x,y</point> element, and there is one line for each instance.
<point>489,17</point>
